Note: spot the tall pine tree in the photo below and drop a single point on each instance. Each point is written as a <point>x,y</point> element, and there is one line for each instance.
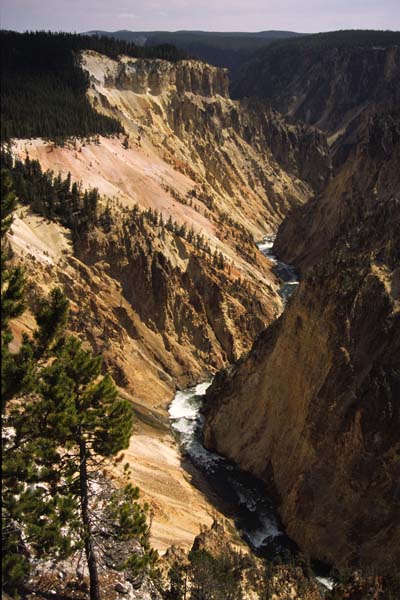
<point>73,421</point>
<point>86,416</point>
<point>12,285</point>
<point>66,417</point>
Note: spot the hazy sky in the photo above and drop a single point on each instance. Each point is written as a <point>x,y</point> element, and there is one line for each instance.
<point>212,15</point>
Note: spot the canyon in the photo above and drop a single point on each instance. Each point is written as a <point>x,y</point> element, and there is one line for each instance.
<point>169,305</point>
<point>194,311</point>
<point>170,286</point>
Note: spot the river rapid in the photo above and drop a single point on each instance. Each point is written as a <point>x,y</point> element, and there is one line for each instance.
<point>250,505</point>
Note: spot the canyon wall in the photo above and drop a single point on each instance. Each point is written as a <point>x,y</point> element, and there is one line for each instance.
<point>370,176</point>
<point>243,158</point>
<point>155,76</point>
<point>325,84</point>
<point>314,407</point>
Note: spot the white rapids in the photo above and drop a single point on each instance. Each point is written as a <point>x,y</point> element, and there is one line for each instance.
<point>256,516</point>
<point>187,422</point>
<point>259,524</point>
<point>287,273</point>
<point>327,582</point>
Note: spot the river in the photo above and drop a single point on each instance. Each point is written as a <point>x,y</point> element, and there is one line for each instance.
<point>251,506</point>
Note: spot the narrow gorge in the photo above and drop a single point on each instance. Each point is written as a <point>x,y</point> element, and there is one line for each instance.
<point>253,508</point>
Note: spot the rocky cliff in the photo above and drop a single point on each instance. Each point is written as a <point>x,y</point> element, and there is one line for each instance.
<point>230,150</point>
<point>190,296</point>
<point>152,76</point>
<point>368,177</point>
<point>314,407</point>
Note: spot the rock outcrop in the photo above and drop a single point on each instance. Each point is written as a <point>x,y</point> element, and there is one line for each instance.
<point>155,76</point>
<point>314,407</point>
<point>219,569</point>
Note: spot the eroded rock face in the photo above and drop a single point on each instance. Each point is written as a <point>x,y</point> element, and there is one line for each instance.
<point>204,316</point>
<point>246,159</point>
<point>315,405</point>
<point>297,149</point>
<point>155,76</point>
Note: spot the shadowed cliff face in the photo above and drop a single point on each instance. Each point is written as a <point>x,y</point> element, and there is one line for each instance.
<point>371,176</point>
<point>315,404</point>
<point>322,86</point>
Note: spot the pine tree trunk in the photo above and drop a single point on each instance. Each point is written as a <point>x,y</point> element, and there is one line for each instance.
<point>89,549</point>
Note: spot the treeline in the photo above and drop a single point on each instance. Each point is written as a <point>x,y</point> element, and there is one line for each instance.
<point>50,195</point>
<point>344,38</point>
<point>58,198</point>
<point>43,88</point>
<point>273,69</point>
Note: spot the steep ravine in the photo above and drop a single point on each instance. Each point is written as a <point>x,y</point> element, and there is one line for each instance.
<point>314,407</point>
<point>247,497</point>
<point>248,501</point>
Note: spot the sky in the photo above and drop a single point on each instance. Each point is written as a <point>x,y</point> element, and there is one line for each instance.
<point>211,15</point>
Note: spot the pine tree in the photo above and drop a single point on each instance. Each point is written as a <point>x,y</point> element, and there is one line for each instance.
<point>12,285</point>
<point>177,576</point>
<point>51,317</point>
<point>75,419</point>
<point>69,419</point>
<point>18,375</point>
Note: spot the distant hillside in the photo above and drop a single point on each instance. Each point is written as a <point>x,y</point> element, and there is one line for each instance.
<point>273,68</point>
<point>222,49</point>
<point>326,79</point>
<point>43,88</point>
